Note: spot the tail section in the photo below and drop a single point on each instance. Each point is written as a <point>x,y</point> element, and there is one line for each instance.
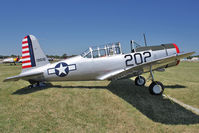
<point>28,59</point>
<point>32,54</point>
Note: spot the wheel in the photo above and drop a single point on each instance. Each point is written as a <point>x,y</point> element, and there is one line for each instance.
<point>156,88</point>
<point>30,86</point>
<point>42,84</point>
<point>140,81</point>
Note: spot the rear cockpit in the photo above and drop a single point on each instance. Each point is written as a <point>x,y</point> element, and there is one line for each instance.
<point>102,51</point>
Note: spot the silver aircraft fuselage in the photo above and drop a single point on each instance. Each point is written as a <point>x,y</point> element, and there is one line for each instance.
<point>83,69</point>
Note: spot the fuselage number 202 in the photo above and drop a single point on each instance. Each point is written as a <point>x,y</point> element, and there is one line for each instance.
<point>138,58</point>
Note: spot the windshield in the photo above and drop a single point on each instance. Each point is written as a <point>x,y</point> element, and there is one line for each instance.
<point>85,52</point>
<point>102,51</point>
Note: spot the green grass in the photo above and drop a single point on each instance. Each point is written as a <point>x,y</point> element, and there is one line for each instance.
<point>100,106</point>
<point>182,82</point>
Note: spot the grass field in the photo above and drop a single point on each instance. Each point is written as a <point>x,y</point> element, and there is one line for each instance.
<point>100,106</point>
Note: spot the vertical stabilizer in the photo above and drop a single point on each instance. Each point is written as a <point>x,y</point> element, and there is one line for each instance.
<point>32,54</point>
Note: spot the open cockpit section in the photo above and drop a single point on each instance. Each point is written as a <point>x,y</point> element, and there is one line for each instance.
<point>102,51</point>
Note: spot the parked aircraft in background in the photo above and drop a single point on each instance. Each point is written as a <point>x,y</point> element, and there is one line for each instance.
<point>18,60</point>
<point>50,59</point>
<point>98,63</point>
<point>11,60</point>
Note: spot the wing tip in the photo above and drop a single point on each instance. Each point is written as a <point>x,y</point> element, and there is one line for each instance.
<point>10,79</point>
<point>14,78</point>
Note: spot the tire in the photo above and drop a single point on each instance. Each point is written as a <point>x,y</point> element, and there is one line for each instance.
<point>140,81</point>
<point>156,88</point>
<point>30,86</point>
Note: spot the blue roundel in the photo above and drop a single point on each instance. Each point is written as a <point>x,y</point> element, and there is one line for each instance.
<point>61,69</point>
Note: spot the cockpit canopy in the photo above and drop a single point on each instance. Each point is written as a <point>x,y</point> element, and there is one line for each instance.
<point>102,51</point>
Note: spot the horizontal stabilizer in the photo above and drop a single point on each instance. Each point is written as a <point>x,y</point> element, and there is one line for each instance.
<point>23,76</point>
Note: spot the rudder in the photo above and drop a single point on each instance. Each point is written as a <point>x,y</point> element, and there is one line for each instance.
<point>32,54</point>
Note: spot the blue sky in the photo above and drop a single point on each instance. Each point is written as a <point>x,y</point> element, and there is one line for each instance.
<point>70,27</point>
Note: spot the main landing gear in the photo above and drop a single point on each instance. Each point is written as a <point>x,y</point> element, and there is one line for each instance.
<point>155,88</point>
<point>36,84</point>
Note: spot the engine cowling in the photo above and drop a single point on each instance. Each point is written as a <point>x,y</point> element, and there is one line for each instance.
<point>161,51</point>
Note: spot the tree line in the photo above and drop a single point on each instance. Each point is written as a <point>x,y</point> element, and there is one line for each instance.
<point>64,56</point>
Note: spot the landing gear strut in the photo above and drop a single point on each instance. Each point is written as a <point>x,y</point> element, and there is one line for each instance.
<point>36,84</point>
<point>156,87</point>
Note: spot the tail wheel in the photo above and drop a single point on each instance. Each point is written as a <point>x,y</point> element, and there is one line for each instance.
<point>156,88</point>
<point>140,81</point>
<point>30,86</point>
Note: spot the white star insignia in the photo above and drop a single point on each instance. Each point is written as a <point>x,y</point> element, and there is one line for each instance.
<point>61,69</point>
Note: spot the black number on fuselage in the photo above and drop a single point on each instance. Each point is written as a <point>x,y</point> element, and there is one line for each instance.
<point>138,56</point>
<point>128,61</point>
<point>149,55</point>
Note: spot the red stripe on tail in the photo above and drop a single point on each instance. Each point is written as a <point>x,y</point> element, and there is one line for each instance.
<point>24,47</point>
<point>25,52</point>
<point>28,56</point>
<point>28,61</point>
<point>26,66</point>
<point>24,42</point>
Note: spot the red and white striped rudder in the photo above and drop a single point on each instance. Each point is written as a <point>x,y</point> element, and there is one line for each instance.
<point>26,54</point>
<point>32,54</point>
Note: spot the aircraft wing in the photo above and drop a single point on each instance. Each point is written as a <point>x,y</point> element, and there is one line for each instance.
<point>145,67</point>
<point>24,76</point>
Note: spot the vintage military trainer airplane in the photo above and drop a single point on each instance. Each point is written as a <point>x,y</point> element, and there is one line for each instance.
<point>98,63</point>
<point>11,60</point>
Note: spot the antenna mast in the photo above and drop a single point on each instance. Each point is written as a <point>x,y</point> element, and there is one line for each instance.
<point>144,39</point>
